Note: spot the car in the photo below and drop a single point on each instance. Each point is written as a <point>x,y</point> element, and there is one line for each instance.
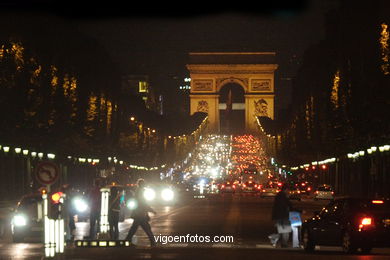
<point>351,223</point>
<point>295,193</point>
<point>228,187</point>
<point>269,191</point>
<point>324,192</point>
<point>160,193</point>
<point>27,220</point>
<point>250,186</point>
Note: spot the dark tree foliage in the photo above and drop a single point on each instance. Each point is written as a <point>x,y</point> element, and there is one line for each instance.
<point>341,92</point>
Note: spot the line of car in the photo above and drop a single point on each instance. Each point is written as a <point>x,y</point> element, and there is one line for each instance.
<point>27,216</point>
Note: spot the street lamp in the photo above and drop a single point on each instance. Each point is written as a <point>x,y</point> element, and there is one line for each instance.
<point>6,149</point>
<point>18,150</point>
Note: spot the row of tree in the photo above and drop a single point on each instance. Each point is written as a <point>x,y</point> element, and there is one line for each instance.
<point>341,92</point>
<point>60,92</point>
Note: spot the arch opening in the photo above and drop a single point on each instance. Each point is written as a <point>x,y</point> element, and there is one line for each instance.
<point>232,109</point>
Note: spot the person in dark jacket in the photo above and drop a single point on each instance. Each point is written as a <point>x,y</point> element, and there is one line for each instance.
<point>113,213</point>
<point>95,206</point>
<point>140,214</point>
<point>280,214</point>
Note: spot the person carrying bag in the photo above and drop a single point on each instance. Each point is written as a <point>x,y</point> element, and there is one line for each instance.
<point>281,216</point>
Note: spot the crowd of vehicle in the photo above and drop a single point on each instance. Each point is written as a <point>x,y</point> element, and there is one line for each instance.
<point>237,166</point>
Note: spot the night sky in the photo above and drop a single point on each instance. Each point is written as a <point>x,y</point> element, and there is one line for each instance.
<point>156,42</point>
<point>158,45</point>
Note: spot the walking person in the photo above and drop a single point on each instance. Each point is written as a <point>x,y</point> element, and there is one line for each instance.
<point>95,206</point>
<point>140,214</point>
<point>113,213</point>
<point>68,212</point>
<point>281,216</point>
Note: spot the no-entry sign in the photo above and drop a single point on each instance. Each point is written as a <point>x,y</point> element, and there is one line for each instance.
<point>47,173</point>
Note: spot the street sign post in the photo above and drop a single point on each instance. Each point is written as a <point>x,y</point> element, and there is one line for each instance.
<point>47,173</point>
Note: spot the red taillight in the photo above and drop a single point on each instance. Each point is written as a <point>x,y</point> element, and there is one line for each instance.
<point>366,222</point>
<point>316,192</point>
<point>332,192</point>
<point>223,186</point>
<point>263,190</point>
<point>234,186</point>
<point>244,185</point>
<point>308,189</point>
<point>377,201</point>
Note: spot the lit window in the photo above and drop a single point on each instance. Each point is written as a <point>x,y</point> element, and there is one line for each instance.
<point>142,86</point>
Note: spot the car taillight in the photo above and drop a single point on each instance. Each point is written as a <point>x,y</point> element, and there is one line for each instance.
<point>244,185</point>
<point>263,190</point>
<point>299,192</point>
<point>332,192</point>
<point>366,222</point>
<point>223,186</point>
<point>316,192</point>
<point>308,189</point>
<point>377,201</point>
<point>234,186</point>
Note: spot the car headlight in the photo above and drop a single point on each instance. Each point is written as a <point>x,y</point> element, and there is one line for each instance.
<point>80,205</point>
<point>19,220</point>
<point>167,194</point>
<point>131,204</point>
<point>149,194</point>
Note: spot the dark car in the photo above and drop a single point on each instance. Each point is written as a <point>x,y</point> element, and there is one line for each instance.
<point>352,223</point>
<point>228,187</point>
<point>249,186</point>
<point>27,221</point>
<point>295,194</point>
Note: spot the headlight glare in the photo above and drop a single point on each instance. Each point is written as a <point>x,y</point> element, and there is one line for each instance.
<point>80,205</point>
<point>131,204</point>
<point>149,194</point>
<point>19,220</point>
<point>167,194</point>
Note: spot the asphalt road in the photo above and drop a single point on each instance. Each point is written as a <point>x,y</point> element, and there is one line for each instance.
<point>245,220</point>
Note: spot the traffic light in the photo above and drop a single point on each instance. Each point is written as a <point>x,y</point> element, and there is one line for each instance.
<point>55,205</point>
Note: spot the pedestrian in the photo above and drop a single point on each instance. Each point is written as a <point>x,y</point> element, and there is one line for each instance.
<point>94,196</point>
<point>280,214</point>
<point>113,213</point>
<point>140,214</point>
<point>68,212</point>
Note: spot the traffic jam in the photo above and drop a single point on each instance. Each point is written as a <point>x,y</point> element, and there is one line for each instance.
<point>219,166</point>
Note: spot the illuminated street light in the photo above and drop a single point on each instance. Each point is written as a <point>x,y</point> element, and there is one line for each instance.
<point>51,156</point>
<point>25,152</point>
<point>132,118</point>
<point>34,154</point>
<point>18,150</point>
<point>6,149</point>
<point>40,155</point>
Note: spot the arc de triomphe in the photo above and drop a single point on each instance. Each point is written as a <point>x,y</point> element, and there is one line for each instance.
<point>253,71</point>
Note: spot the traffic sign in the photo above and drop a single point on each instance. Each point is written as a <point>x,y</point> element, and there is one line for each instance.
<point>47,173</point>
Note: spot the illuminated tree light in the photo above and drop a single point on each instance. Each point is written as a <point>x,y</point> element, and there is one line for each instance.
<point>334,96</point>
<point>385,52</point>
